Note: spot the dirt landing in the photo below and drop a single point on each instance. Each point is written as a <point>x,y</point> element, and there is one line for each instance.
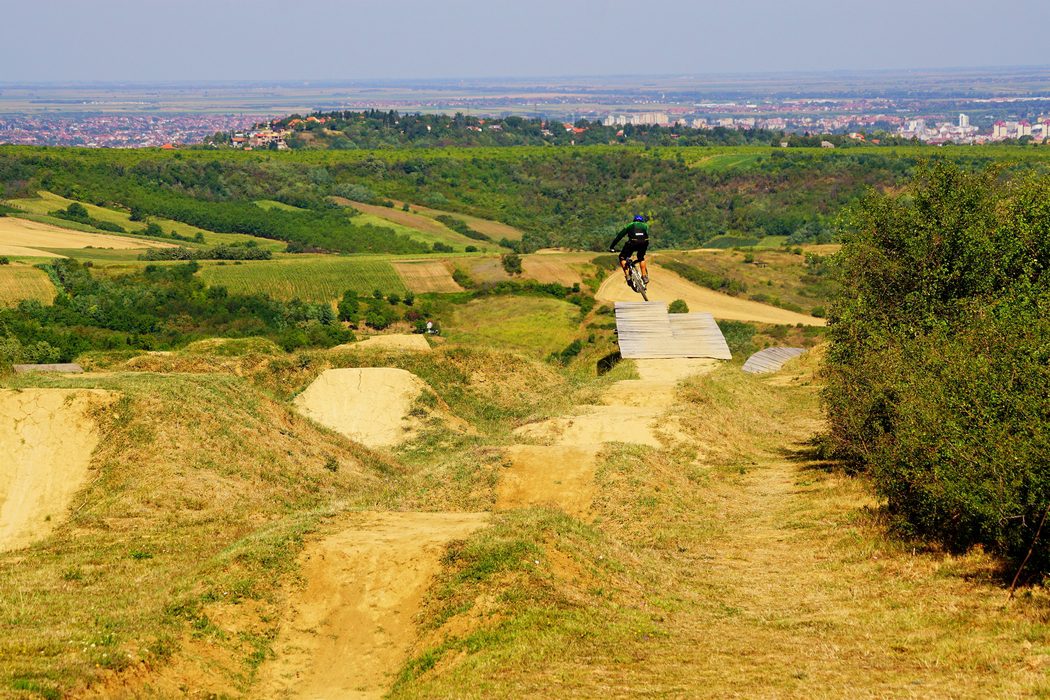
<point>369,405</point>
<point>46,443</point>
<point>351,626</point>
<point>561,472</point>
<point>598,424</point>
<point>390,342</point>
<point>542,475</point>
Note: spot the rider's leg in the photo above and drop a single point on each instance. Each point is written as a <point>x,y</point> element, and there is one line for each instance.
<point>645,271</point>
<point>623,266</point>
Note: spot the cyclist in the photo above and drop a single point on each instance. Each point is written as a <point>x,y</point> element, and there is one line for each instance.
<point>637,233</point>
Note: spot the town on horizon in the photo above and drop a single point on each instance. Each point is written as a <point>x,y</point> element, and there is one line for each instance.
<point>961,106</point>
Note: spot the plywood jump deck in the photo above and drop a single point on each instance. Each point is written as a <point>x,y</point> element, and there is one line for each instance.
<point>647,331</point>
<point>770,359</point>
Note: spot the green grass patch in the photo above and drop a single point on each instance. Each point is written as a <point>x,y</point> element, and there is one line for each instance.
<point>308,277</point>
<point>534,325</point>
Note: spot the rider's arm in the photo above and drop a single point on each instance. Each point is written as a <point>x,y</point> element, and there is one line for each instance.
<point>620,235</point>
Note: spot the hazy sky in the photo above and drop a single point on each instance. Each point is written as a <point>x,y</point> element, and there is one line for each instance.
<point>102,40</point>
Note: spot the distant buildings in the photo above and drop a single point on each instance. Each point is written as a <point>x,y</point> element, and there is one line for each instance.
<point>638,119</point>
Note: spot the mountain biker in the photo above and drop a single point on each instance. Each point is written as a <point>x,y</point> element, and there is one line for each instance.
<point>637,233</point>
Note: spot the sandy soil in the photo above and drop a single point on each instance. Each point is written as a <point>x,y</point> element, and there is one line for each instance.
<point>666,286</point>
<point>422,277</point>
<point>22,232</point>
<point>368,405</point>
<point>394,341</point>
<point>46,443</point>
<point>561,476</point>
<point>351,627</point>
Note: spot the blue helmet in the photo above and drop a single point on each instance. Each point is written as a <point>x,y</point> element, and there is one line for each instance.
<point>641,217</point>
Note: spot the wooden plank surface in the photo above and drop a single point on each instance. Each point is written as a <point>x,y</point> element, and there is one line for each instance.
<point>646,330</point>
<point>770,359</point>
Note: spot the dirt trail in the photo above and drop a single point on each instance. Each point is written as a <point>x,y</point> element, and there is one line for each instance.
<point>46,443</point>
<point>667,286</point>
<point>352,626</point>
<point>561,472</point>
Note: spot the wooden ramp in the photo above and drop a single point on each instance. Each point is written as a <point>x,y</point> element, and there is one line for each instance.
<point>770,359</point>
<point>646,330</point>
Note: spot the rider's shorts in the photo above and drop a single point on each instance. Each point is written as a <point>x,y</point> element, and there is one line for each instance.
<point>638,247</point>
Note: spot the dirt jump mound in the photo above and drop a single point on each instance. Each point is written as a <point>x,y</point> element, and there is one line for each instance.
<point>46,441</point>
<point>369,405</point>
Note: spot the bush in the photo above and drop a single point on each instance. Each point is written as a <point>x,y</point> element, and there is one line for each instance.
<point>511,263</point>
<point>678,306</point>
<point>380,316</point>
<point>4,260</point>
<point>349,306</point>
<point>937,373</point>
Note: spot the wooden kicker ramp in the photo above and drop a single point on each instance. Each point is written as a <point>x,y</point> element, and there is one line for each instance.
<point>647,331</point>
<point>770,359</point>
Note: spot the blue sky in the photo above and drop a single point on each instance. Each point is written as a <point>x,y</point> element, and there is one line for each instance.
<point>143,40</point>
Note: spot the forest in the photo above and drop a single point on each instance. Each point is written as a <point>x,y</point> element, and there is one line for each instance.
<point>568,197</point>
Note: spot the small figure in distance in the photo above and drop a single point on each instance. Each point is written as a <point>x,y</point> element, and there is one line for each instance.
<point>637,233</point>
<point>430,327</point>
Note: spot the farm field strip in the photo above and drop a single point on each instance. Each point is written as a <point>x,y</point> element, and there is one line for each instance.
<point>18,282</point>
<point>39,207</point>
<point>427,276</point>
<point>431,229</point>
<point>493,229</point>
<point>317,279</point>
<point>23,232</point>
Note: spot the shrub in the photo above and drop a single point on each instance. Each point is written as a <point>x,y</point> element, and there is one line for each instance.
<point>678,306</point>
<point>511,263</point>
<point>349,306</point>
<point>4,260</point>
<point>937,373</point>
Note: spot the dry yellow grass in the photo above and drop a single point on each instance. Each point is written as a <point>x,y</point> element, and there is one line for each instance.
<point>426,276</point>
<point>22,232</point>
<point>730,565</point>
<point>18,282</point>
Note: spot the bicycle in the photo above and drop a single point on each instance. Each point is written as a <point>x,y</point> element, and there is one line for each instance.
<point>634,278</point>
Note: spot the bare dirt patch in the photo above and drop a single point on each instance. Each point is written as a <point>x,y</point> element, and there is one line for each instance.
<point>561,476</point>
<point>351,626</point>
<point>369,405</point>
<point>395,341</point>
<point>22,232</point>
<point>561,471</point>
<point>429,276</point>
<point>46,441</point>
<point>666,286</point>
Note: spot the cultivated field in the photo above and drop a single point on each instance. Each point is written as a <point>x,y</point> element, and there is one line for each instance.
<point>22,232</point>
<point>310,278</point>
<point>418,227</point>
<point>561,268</point>
<point>493,229</point>
<point>426,276</point>
<point>18,282</point>
<point>38,208</point>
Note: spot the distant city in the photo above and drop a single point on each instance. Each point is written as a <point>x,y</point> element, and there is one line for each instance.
<point>972,106</point>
